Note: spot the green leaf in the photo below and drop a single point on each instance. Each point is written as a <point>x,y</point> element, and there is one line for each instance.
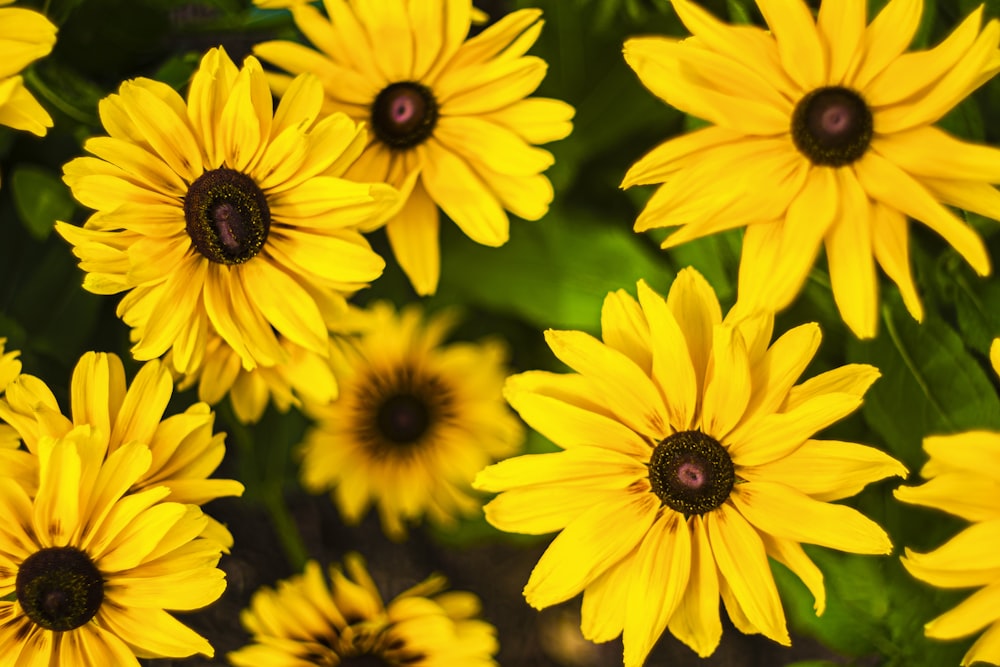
<point>552,273</point>
<point>40,198</point>
<point>930,383</point>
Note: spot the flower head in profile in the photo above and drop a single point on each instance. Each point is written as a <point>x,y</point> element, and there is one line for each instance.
<point>184,451</point>
<point>88,573</point>
<point>452,111</point>
<point>415,421</point>
<point>821,133</point>
<point>688,460</point>
<point>221,216</point>
<point>25,36</point>
<point>963,479</point>
<point>309,620</point>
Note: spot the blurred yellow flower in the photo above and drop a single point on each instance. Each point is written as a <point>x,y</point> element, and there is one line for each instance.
<point>224,217</point>
<point>963,478</point>
<point>452,110</point>
<point>88,573</point>
<point>821,133</point>
<point>415,421</point>
<point>308,621</point>
<point>25,36</point>
<point>688,461</point>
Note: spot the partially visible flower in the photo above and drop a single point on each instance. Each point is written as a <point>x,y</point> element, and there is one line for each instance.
<point>25,36</point>
<point>307,620</point>
<point>415,421</point>
<point>88,573</point>
<point>223,217</point>
<point>184,449</point>
<point>451,110</point>
<point>689,461</point>
<point>14,461</point>
<point>963,478</point>
<point>821,134</point>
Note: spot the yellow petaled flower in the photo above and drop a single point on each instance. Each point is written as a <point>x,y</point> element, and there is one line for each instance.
<point>223,217</point>
<point>184,450</point>
<point>963,476</point>
<point>307,621</point>
<point>820,134</point>
<point>453,110</point>
<point>688,461</point>
<point>25,36</point>
<point>86,572</point>
<point>415,421</point>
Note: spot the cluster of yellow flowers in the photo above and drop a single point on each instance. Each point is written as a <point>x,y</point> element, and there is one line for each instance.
<point>235,230</point>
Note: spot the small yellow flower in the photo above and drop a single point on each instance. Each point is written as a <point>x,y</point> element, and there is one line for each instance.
<point>415,421</point>
<point>963,478</point>
<point>453,111</point>
<point>308,621</point>
<point>688,461</point>
<point>821,134</point>
<point>223,217</point>
<point>25,36</point>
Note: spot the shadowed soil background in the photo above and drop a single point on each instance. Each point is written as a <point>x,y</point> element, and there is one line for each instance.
<point>495,569</point>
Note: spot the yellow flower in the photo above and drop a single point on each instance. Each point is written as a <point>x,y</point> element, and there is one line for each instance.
<point>963,476</point>
<point>415,421</point>
<point>184,450</point>
<point>86,573</point>
<point>25,36</point>
<point>307,621</point>
<point>452,109</point>
<point>820,133</point>
<point>222,217</point>
<point>688,461</point>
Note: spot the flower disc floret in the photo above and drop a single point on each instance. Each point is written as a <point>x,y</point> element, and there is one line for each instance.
<point>59,588</point>
<point>404,114</point>
<point>832,126</point>
<point>226,216</point>
<point>691,472</point>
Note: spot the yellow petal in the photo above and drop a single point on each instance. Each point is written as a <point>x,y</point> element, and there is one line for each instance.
<point>780,367</point>
<point>782,511</point>
<point>743,564</point>
<point>696,308</point>
<point>798,41</point>
<point>673,373</point>
<point>583,550</point>
<point>890,243</point>
<point>790,554</point>
<point>886,37</point>
<point>727,387</point>
<point>624,328</point>
<point>662,565</point>
<point>413,236</point>
<point>975,452</point>
<point>970,496</point>
<point>696,620</point>
<point>605,602</point>
<point>841,25</point>
<point>828,469</point>
<point>582,467</point>
<point>850,258</point>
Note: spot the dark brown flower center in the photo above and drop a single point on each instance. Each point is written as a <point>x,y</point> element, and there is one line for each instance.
<point>691,472</point>
<point>404,114</point>
<point>227,216</point>
<point>403,418</point>
<point>832,126</point>
<point>59,588</point>
<point>365,661</point>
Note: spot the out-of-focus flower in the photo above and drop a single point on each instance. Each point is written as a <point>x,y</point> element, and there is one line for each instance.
<point>963,478</point>
<point>453,111</point>
<point>688,461</point>
<point>415,421</point>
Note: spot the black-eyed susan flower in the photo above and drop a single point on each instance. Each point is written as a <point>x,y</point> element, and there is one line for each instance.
<point>25,36</point>
<point>963,478</point>
<point>185,452</point>
<point>415,421</point>
<point>821,133</point>
<point>88,573</point>
<point>307,620</point>
<point>689,460</point>
<point>222,216</point>
<point>452,110</point>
